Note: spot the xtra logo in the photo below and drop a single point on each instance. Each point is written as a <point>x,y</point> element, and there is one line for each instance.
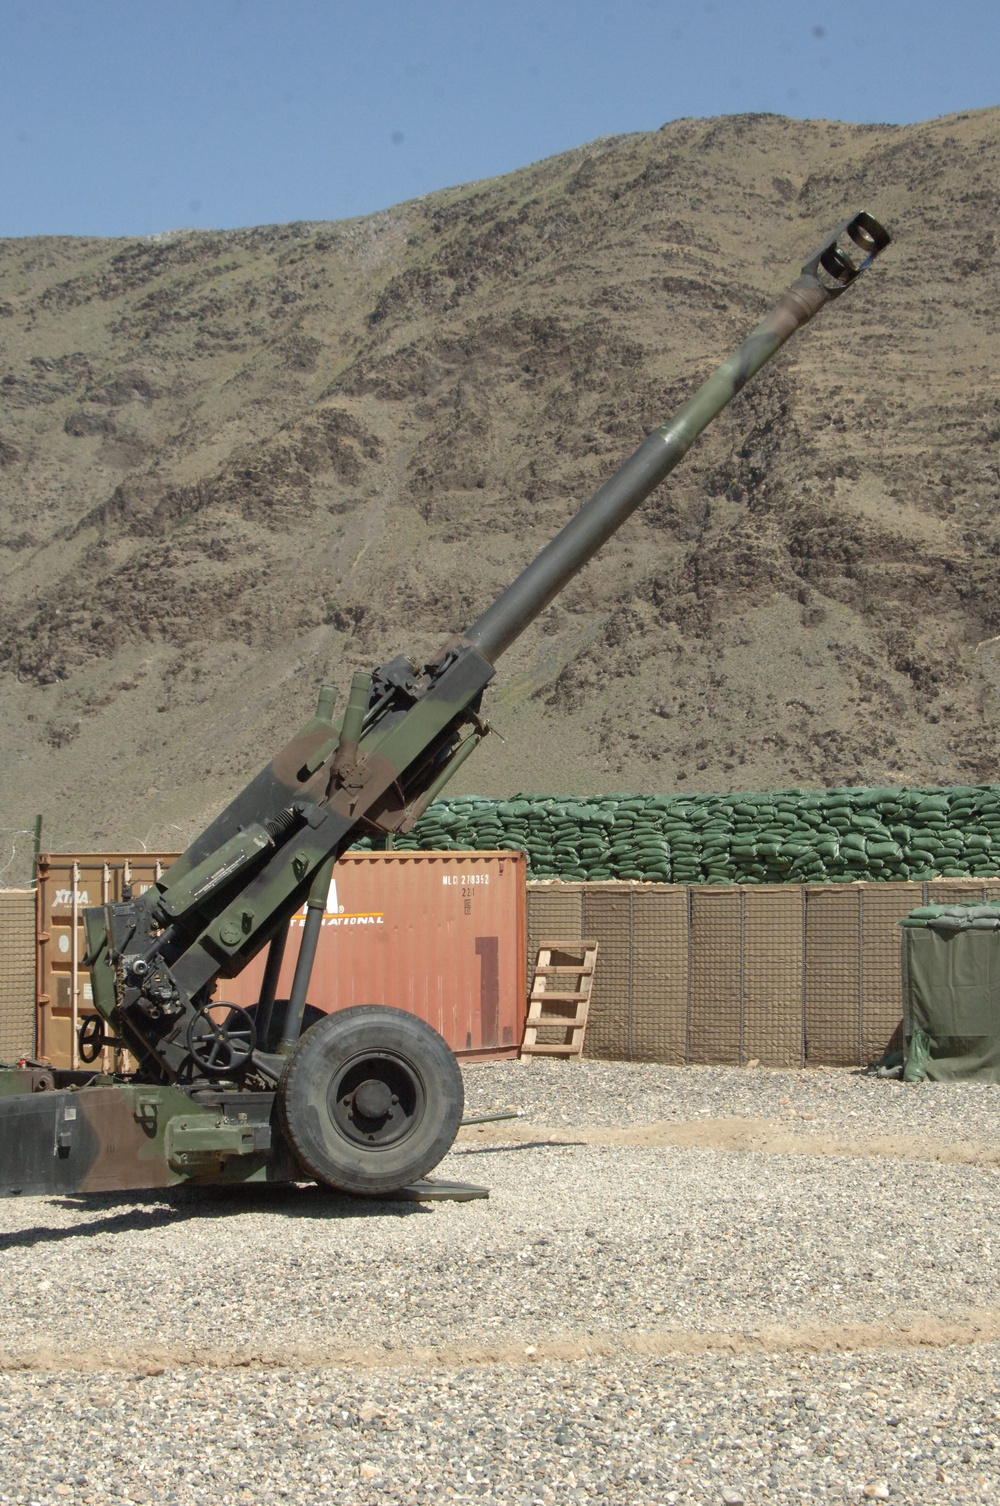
<point>65,897</point>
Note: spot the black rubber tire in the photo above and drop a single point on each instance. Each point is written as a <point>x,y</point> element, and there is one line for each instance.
<point>393,1048</point>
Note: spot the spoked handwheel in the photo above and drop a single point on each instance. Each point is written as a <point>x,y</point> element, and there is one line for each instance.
<point>371,1099</point>
<point>91,1039</point>
<point>221,1039</point>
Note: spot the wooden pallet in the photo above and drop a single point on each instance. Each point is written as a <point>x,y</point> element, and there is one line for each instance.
<point>563,1007</point>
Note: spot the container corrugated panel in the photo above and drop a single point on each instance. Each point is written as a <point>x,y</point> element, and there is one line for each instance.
<point>439,934</point>
<point>607,919</point>
<point>773,961</point>
<point>17,974</point>
<point>716,974</point>
<point>99,878</point>
<point>833,974</point>
<point>659,973</point>
<point>883,907</point>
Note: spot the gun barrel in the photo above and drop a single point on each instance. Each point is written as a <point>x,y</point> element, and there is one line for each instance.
<point>839,260</point>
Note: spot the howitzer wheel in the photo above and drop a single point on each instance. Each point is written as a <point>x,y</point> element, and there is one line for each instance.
<point>370,1100</point>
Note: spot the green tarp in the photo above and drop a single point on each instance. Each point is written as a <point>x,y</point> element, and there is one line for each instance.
<point>951,993</point>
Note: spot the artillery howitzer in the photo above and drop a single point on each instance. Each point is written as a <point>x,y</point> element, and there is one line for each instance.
<point>367,1099</point>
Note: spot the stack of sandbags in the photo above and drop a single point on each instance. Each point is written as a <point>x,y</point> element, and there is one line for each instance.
<point>967,917</point>
<point>794,836</point>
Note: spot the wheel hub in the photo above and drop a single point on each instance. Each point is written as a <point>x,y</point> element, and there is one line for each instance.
<point>376,1099</point>
<point>373,1100</point>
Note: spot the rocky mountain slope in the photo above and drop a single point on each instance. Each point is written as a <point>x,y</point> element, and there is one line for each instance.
<point>235,464</point>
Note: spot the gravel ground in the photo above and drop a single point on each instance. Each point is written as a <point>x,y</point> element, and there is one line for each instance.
<point>832,1100</point>
<point>625,1323</point>
<point>764,1430</point>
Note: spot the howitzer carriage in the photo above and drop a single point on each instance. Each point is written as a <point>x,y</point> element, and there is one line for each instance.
<point>366,1100</point>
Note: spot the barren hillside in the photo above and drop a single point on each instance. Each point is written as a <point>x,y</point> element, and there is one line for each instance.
<point>235,464</point>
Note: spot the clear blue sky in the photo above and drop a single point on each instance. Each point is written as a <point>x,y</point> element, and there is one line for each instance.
<point>122,117</point>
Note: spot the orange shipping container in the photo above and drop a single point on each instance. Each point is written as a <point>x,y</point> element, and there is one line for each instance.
<point>440,934</point>
<point>67,883</point>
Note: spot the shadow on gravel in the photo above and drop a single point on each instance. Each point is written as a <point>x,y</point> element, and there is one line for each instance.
<point>499,1150</point>
<point>112,1213</point>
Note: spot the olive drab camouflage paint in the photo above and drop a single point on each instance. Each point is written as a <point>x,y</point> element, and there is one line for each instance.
<point>366,1100</point>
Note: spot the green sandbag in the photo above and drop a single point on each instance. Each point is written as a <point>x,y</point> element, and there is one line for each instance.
<point>924,842</point>
<point>884,850</point>
<point>870,826</point>
<point>919,854</point>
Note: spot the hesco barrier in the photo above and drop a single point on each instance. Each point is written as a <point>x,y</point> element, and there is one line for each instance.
<point>787,975</point>
<point>17,973</point>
